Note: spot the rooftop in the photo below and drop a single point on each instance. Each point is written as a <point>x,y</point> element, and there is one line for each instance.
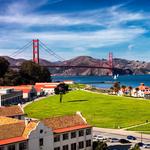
<point>14,126</point>
<point>11,111</point>
<point>65,123</point>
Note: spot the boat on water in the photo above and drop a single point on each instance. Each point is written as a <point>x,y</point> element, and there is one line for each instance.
<point>115,77</point>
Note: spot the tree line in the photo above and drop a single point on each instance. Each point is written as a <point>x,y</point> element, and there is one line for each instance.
<point>28,73</point>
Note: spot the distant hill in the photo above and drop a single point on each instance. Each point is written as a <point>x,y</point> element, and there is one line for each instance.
<point>126,66</point>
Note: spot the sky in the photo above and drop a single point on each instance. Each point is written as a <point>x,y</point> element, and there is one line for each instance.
<point>74,28</point>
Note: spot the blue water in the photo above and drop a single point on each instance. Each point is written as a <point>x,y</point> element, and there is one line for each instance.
<point>128,80</point>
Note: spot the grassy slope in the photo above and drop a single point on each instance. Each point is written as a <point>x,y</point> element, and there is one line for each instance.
<point>99,110</point>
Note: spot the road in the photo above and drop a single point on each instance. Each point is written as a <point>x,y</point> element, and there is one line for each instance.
<point>121,134</point>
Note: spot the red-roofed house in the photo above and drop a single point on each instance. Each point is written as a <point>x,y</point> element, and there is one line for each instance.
<point>29,92</point>
<point>47,87</point>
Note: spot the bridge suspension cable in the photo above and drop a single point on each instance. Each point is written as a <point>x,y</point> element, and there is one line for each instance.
<point>19,51</point>
<point>48,50</point>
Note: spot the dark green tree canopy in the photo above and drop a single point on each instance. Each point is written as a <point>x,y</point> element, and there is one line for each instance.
<point>32,72</point>
<point>4,65</point>
<point>61,89</point>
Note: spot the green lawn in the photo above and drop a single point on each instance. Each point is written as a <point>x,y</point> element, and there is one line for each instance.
<point>100,110</point>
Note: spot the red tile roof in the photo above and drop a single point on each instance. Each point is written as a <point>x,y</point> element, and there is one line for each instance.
<point>11,111</point>
<point>65,123</point>
<point>71,128</point>
<point>12,140</point>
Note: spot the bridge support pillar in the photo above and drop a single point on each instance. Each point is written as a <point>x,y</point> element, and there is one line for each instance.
<point>36,51</point>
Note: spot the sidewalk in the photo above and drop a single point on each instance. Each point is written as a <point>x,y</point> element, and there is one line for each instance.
<point>37,99</point>
<point>122,132</point>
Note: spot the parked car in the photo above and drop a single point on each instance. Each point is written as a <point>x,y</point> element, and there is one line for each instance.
<point>123,141</point>
<point>94,137</point>
<point>113,140</point>
<point>140,144</point>
<point>100,138</point>
<point>130,137</point>
<point>146,146</point>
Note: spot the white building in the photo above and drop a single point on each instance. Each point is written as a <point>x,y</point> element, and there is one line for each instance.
<point>58,133</point>
<point>10,96</point>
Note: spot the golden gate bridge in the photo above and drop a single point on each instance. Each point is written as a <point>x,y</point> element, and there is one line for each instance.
<point>38,45</point>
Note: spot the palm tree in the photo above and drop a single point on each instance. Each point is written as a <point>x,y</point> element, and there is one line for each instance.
<point>123,87</point>
<point>116,87</point>
<point>61,89</point>
<point>130,89</point>
<point>137,89</point>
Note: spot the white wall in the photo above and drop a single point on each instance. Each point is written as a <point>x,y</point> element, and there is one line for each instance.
<point>35,135</point>
<point>76,140</point>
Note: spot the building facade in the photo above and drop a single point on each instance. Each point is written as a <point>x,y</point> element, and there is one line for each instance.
<point>58,133</point>
<point>10,96</point>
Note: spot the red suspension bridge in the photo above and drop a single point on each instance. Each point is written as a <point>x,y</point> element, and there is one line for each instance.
<point>37,46</point>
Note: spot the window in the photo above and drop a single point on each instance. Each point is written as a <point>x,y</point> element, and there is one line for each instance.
<point>81,145</point>
<point>1,148</point>
<point>57,148</point>
<point>73,134</point>
<point>23,146</point>
<point>65,136</point>
<point>81,132</point>
<point>73,146</point>
<point>41,131</point>
<point>88,143</point>
<point>19,117</point>
<point>11,147</point>
<point>65,147</point>
<point>56,138</point>
<point>41,142</point>
<point>88,131</point>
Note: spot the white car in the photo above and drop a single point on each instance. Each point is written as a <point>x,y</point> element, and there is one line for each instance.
<point>146,145</point>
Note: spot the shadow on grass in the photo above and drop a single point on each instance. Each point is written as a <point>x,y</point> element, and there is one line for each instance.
<point>75,101</point>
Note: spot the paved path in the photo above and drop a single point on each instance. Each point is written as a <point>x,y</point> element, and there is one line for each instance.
<point>37,99</point>
<point>138,125</point>
<point>123,132</point>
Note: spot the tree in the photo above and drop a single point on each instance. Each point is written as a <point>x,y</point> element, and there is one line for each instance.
<point>137,89</point>
<point>130,89</point>
<point>101,145</point>
<point>4,65</point>
<point>12,77</point>
<point>136,147</point>
<point>32,73</point>
<point>116,87</point>
<point>61,89</point>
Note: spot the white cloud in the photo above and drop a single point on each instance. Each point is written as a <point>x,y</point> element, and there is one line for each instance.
<point>109,17</point>
<point>130,47</point>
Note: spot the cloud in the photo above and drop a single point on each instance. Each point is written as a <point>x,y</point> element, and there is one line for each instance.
<point>109,17</point>
<point>130,47</point>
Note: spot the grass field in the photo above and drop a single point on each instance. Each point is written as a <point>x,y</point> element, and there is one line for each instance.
<point>100,110</point>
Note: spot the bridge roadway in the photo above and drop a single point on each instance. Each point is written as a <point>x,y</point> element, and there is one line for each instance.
<point>72,66</point>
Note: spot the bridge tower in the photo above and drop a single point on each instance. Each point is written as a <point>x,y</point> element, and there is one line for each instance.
<point>110,63</point>
<point>36,51</point>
